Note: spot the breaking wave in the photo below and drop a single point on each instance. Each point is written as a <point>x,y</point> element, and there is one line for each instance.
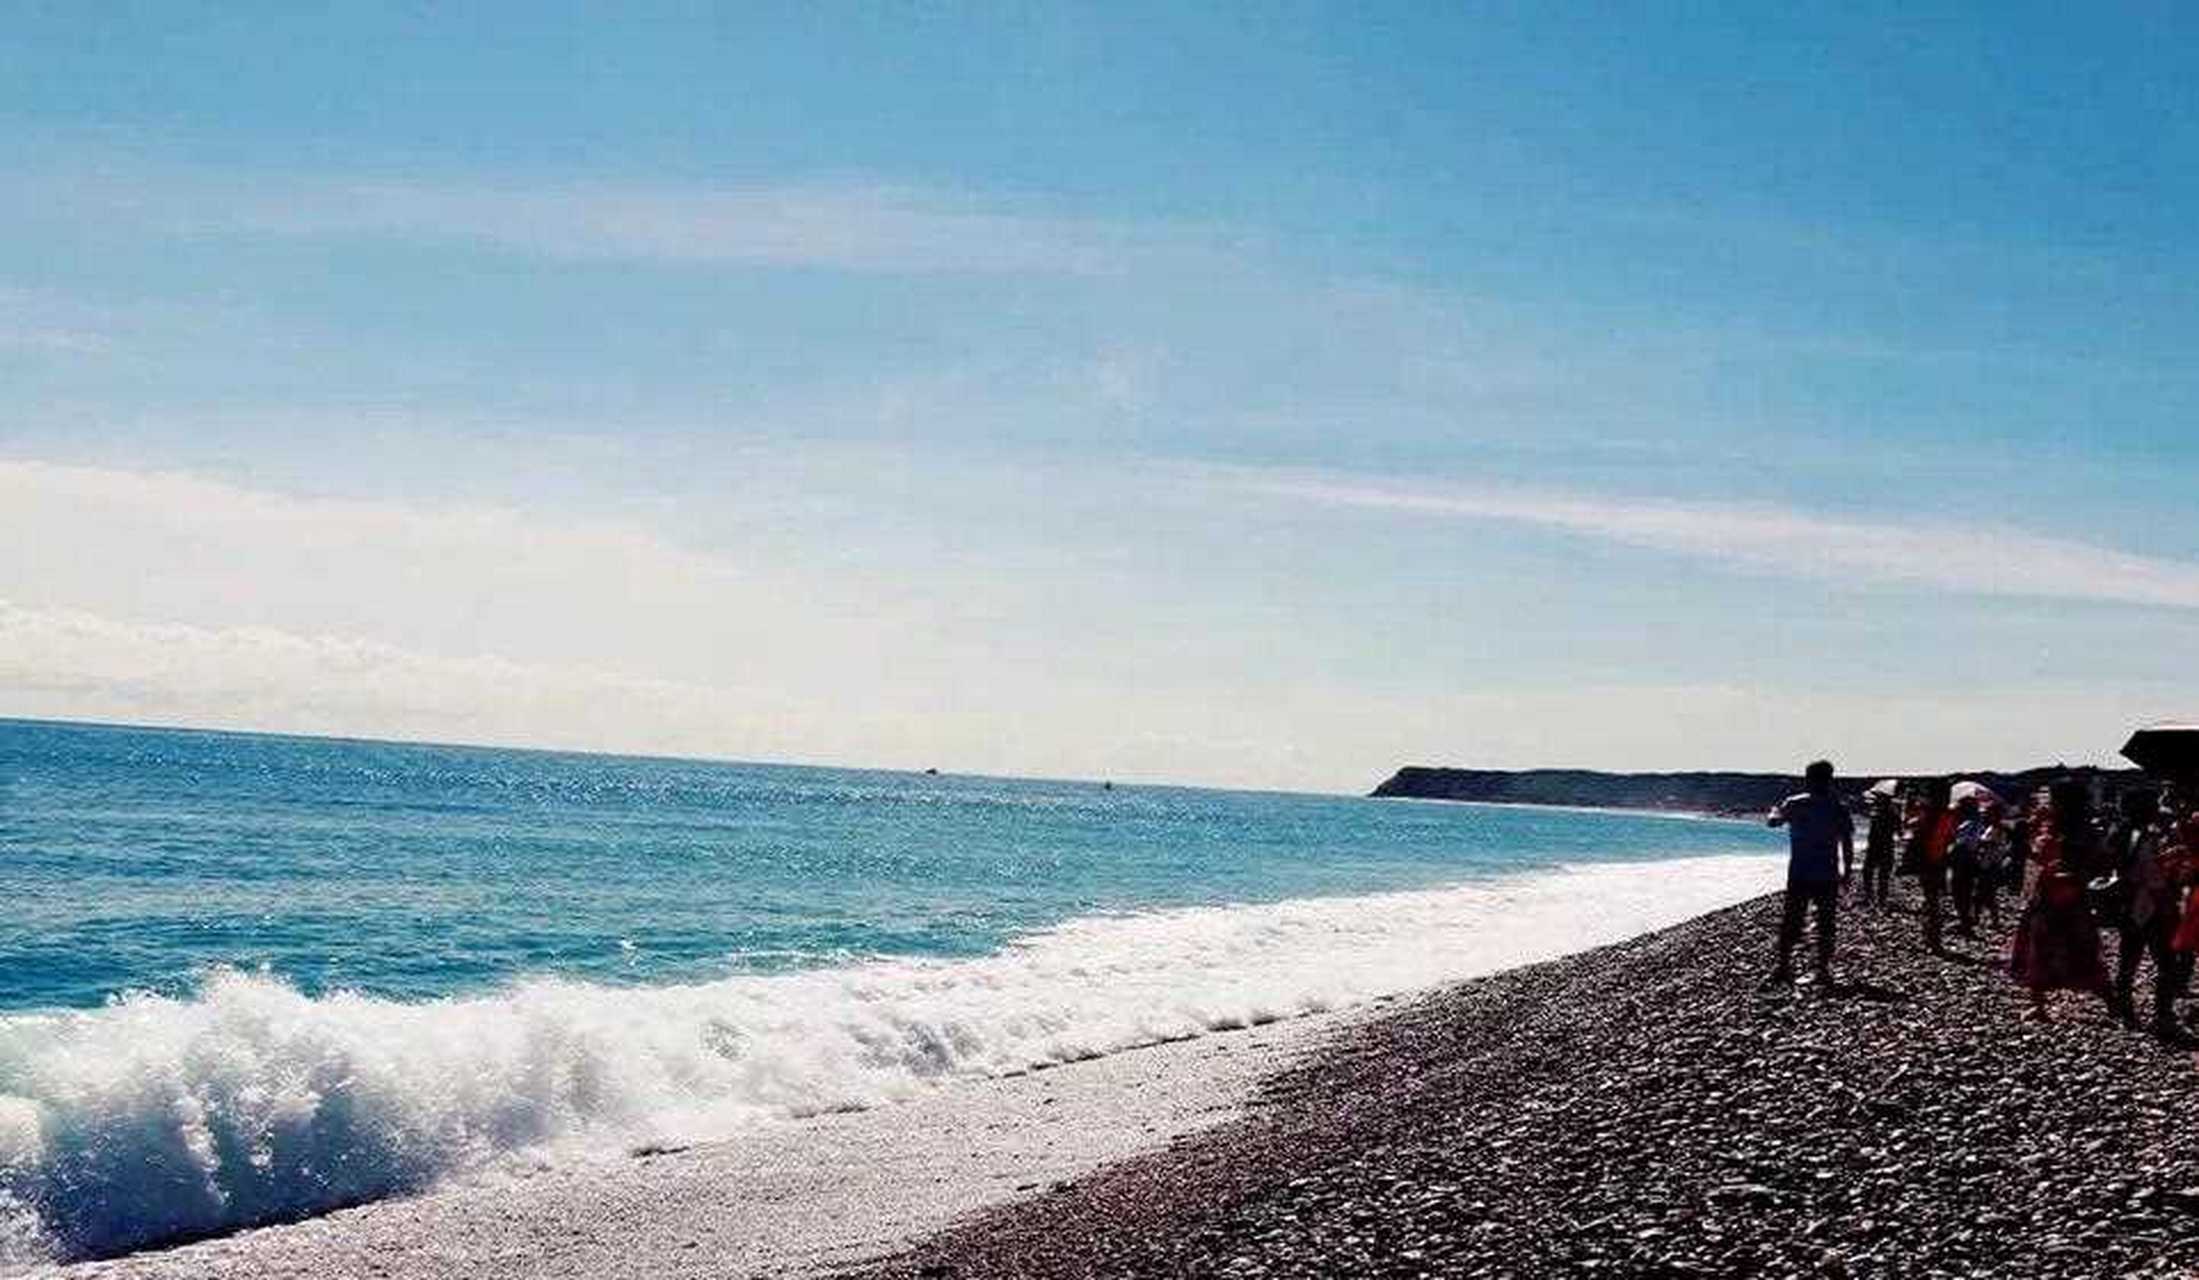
<point>157,1118</point>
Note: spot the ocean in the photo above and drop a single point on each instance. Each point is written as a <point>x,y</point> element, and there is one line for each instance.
<point>245,977</point>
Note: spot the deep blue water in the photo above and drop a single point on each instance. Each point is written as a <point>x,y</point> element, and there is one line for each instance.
<point>138,859</point>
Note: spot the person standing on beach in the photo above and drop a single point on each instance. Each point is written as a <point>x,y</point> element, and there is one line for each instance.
<point>1965,859</point>
<point>1993,859</point>
<point>2019,852</point>
<point>1930,841</point>
<point>2057,944</point>
<point>2149,910</point>
<point>1820,856</point>
<point>1878,849</point>
<point>2180,862</point>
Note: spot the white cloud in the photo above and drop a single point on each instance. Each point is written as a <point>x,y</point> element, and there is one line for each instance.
<point>73,662</point>
<point>183,599</point>
<point>41,324</point>
<point>854,223</point>
<point>860,227</point>
<point>575,601</point>
<point>178,598</point>
<point>50,340</point>
<point>1732,726</point>
<point>1958,558</point>
<point>177,546</point>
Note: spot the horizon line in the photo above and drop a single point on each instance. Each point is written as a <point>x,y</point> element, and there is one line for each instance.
<point>660,756</point>
<point>934,771</point>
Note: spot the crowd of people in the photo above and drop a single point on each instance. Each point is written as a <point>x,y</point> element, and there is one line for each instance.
<point>2081,868</point>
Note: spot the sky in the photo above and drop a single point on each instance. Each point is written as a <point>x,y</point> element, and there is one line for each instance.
<point>1262,395</point>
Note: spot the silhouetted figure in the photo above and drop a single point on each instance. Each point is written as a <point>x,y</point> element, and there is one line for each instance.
<point>1821,853</point>
<point>2147,909</point>
<point>2019,852</point>
<point>1965,852</point>
<point>2180,860</point>
<point>2058,940</point>
<point>1878,849</point>
<point>2109,894</point>
<point>1994,856</point>
<point>1931,838</point>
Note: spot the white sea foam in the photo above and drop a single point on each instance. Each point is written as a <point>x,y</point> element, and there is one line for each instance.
<point>249,1102</point>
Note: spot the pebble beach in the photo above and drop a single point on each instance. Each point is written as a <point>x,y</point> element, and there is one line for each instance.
<point>1645,1109</point>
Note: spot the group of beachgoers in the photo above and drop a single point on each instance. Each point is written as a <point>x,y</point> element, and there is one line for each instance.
<point>2080,868</point>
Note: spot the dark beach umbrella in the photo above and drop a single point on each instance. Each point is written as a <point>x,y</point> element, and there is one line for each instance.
<point>2165,748</point>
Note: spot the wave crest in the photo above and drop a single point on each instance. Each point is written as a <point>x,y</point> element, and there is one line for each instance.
<point>159,1118</point>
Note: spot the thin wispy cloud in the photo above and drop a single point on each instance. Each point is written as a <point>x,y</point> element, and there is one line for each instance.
<point>854,228</point>
<point>1967,559</point>
<point>225,605</point>
<point>40,324</point>
<point>852,225</point>
<point>265,676</point>
<point>50,340</point>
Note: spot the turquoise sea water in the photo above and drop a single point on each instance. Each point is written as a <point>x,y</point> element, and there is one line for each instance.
<point>139,859</point>
<point>244,977</point>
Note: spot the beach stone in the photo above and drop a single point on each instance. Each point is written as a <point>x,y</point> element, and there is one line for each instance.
<point>1643,1110</point>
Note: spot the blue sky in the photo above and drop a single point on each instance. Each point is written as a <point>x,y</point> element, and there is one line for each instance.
<point>1265,395</point>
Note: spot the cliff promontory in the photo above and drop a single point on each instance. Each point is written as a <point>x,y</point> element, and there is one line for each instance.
<point>1729,793</point>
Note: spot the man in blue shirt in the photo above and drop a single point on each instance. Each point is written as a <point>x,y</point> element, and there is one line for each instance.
<point>1821,855</point>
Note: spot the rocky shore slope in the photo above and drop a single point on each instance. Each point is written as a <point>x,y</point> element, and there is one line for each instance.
<point>1645,1110</point>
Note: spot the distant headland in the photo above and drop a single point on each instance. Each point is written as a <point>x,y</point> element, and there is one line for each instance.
<point>1713,792</point>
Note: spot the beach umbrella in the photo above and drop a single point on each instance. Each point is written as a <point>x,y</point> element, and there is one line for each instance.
<point>1968,790</point>
<point>2165,748</point>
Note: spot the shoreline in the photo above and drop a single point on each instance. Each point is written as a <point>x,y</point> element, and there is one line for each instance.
<point>834,1189</point>
<point>1643,1109</point>
<point>798,1197</point>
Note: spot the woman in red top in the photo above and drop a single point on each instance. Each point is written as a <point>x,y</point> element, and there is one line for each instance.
<point>2057,943</point>
<point>1930,838</point>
